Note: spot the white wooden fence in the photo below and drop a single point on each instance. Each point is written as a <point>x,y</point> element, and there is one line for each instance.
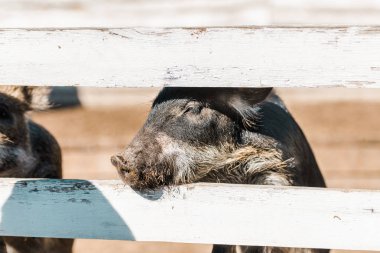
<point>141,57</point>
<point>346,56</point>
<point>201,213</point>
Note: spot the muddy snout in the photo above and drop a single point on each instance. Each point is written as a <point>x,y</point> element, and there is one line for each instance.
<point>132,167</point>
<point>119,162</point>
<point>143,169</point>
<point>123,167</point>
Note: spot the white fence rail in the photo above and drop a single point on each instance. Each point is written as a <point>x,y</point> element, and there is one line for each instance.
<point>143,57</point>
<point>200,213</point>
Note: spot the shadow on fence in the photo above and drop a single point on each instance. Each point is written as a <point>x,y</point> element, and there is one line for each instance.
<point>65,209</point>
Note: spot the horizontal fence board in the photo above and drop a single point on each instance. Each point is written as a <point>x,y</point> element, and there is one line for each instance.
<point>145,57</point>
<point>200,213</point>
<point>174,13</point>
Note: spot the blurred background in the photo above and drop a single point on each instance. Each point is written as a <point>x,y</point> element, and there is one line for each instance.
<point>91,124</point>
<point>190,13</point>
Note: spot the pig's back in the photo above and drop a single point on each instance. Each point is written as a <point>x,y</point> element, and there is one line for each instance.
<point>46,151</point>
<point>279,124</point>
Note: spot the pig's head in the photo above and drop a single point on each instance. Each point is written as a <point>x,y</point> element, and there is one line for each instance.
<point>189,132</point>
<point>15,153</point>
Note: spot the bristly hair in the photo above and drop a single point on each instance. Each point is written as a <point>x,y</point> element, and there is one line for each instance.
<point>232,164</point>
<point>250,117</point>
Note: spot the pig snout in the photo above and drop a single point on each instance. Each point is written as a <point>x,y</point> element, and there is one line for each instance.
<point>121,166</point>
<point>142,166</point>
<point>126,169</point>
<point>119,162</point>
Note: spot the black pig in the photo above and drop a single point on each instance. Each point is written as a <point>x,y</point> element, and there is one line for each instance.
<point>227,135</point>
<point>27,150</point>
<point>3,248</point>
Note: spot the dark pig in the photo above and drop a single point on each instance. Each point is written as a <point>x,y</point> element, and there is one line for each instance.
<point>27,150</point>
<point>3,248</point>
<point>226,135</point>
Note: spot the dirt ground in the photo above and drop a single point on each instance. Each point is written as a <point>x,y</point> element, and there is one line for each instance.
<point>343,131</point>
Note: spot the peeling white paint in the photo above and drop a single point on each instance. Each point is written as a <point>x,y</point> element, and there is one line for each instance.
<point>145,57</point>
<point>200,213</point>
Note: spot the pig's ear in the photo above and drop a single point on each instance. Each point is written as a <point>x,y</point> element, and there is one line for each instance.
<point>247,96</point>
<point>36,98</point>
<point>242,101</point>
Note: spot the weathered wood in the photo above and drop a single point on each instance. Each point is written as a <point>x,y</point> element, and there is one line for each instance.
<point>201,213</point>
<point>174,13</point>
<point>143,57</point>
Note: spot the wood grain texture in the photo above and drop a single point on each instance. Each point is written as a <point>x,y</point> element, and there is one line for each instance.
<point>145,57</point>
<point>189,13</point>
<point>201,213</point>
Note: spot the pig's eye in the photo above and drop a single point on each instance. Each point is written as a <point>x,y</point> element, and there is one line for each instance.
<point>4,113</point>
<point>193,109</point>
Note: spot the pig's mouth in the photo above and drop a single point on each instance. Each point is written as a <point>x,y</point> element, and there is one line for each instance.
<point>15,162</point>
<point>145,180</point>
